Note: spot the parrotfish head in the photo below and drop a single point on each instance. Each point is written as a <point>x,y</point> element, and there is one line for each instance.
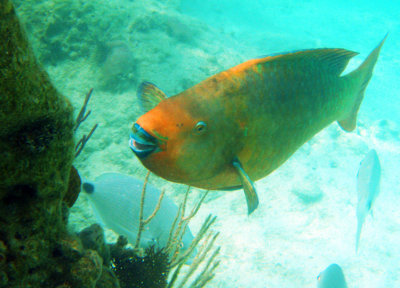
<point>180,141</point>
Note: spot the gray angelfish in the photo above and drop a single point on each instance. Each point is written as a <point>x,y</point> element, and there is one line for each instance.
<point>115,199</point>
<point>331,277</point>
<point>368,180</point>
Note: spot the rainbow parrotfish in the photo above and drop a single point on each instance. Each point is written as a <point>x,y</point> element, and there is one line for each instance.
<point>241,124</point>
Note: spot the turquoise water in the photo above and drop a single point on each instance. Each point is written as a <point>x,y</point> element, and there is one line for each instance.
<point>307,214</point>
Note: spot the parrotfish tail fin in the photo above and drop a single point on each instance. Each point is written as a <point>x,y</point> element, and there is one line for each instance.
<point>248,187</point>
<point>362,75</point>
<point>358,234</point>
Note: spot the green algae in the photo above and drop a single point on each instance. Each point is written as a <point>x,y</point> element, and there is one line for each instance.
<point>36,145</point>
<point>36,151</point>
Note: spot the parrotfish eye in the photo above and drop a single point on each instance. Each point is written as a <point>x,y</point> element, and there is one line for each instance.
<point>200,128</point>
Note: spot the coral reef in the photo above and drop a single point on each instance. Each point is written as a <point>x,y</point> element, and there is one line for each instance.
<point>121,43</point>
<point>36,142</point>
<point>58,28</point>
<point>92,237</point>
<point>118,66</point>
<point>37,150</point>
<point>134,271</point>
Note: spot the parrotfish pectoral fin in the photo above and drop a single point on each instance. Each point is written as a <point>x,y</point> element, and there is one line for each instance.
<point>149,96</point>
<point>362,75</point>
<point>248,187</point>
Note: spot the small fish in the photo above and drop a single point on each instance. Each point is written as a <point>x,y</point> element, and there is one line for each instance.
<point>368,180</point>
<point>331,277</point>
<point>243,123</point>
<point>115,199</point>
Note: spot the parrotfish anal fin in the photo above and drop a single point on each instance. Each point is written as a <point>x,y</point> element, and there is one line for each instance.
<point>329,60</point>
<point>248,187</point>
<point>362,75</point>
<point>149,96</point>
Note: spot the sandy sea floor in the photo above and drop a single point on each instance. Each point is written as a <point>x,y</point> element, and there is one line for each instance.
<point>306,218</point>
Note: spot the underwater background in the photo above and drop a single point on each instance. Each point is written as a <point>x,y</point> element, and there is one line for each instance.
<point>307,214</point>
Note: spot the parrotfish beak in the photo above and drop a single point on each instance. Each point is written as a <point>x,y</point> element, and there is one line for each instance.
<point>141,142</point>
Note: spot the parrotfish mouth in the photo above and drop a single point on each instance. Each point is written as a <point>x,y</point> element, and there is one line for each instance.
<point>142,143</point>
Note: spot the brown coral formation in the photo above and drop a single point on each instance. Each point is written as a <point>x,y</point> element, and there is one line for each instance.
<point>74,187</point>
<point>36,151</point>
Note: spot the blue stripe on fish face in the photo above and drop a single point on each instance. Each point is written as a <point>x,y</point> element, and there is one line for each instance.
<point>141,142</point>
<point>139,152</point>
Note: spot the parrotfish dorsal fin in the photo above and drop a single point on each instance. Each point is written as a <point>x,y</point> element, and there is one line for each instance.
<point>248,187</point>
<point>331,60</point>
<point>149,96</point>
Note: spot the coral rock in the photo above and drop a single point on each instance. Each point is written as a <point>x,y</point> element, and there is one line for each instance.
<point>74,187</point>
<point>87,270</point>
<point>36,152</point>
<point>92,238</point>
